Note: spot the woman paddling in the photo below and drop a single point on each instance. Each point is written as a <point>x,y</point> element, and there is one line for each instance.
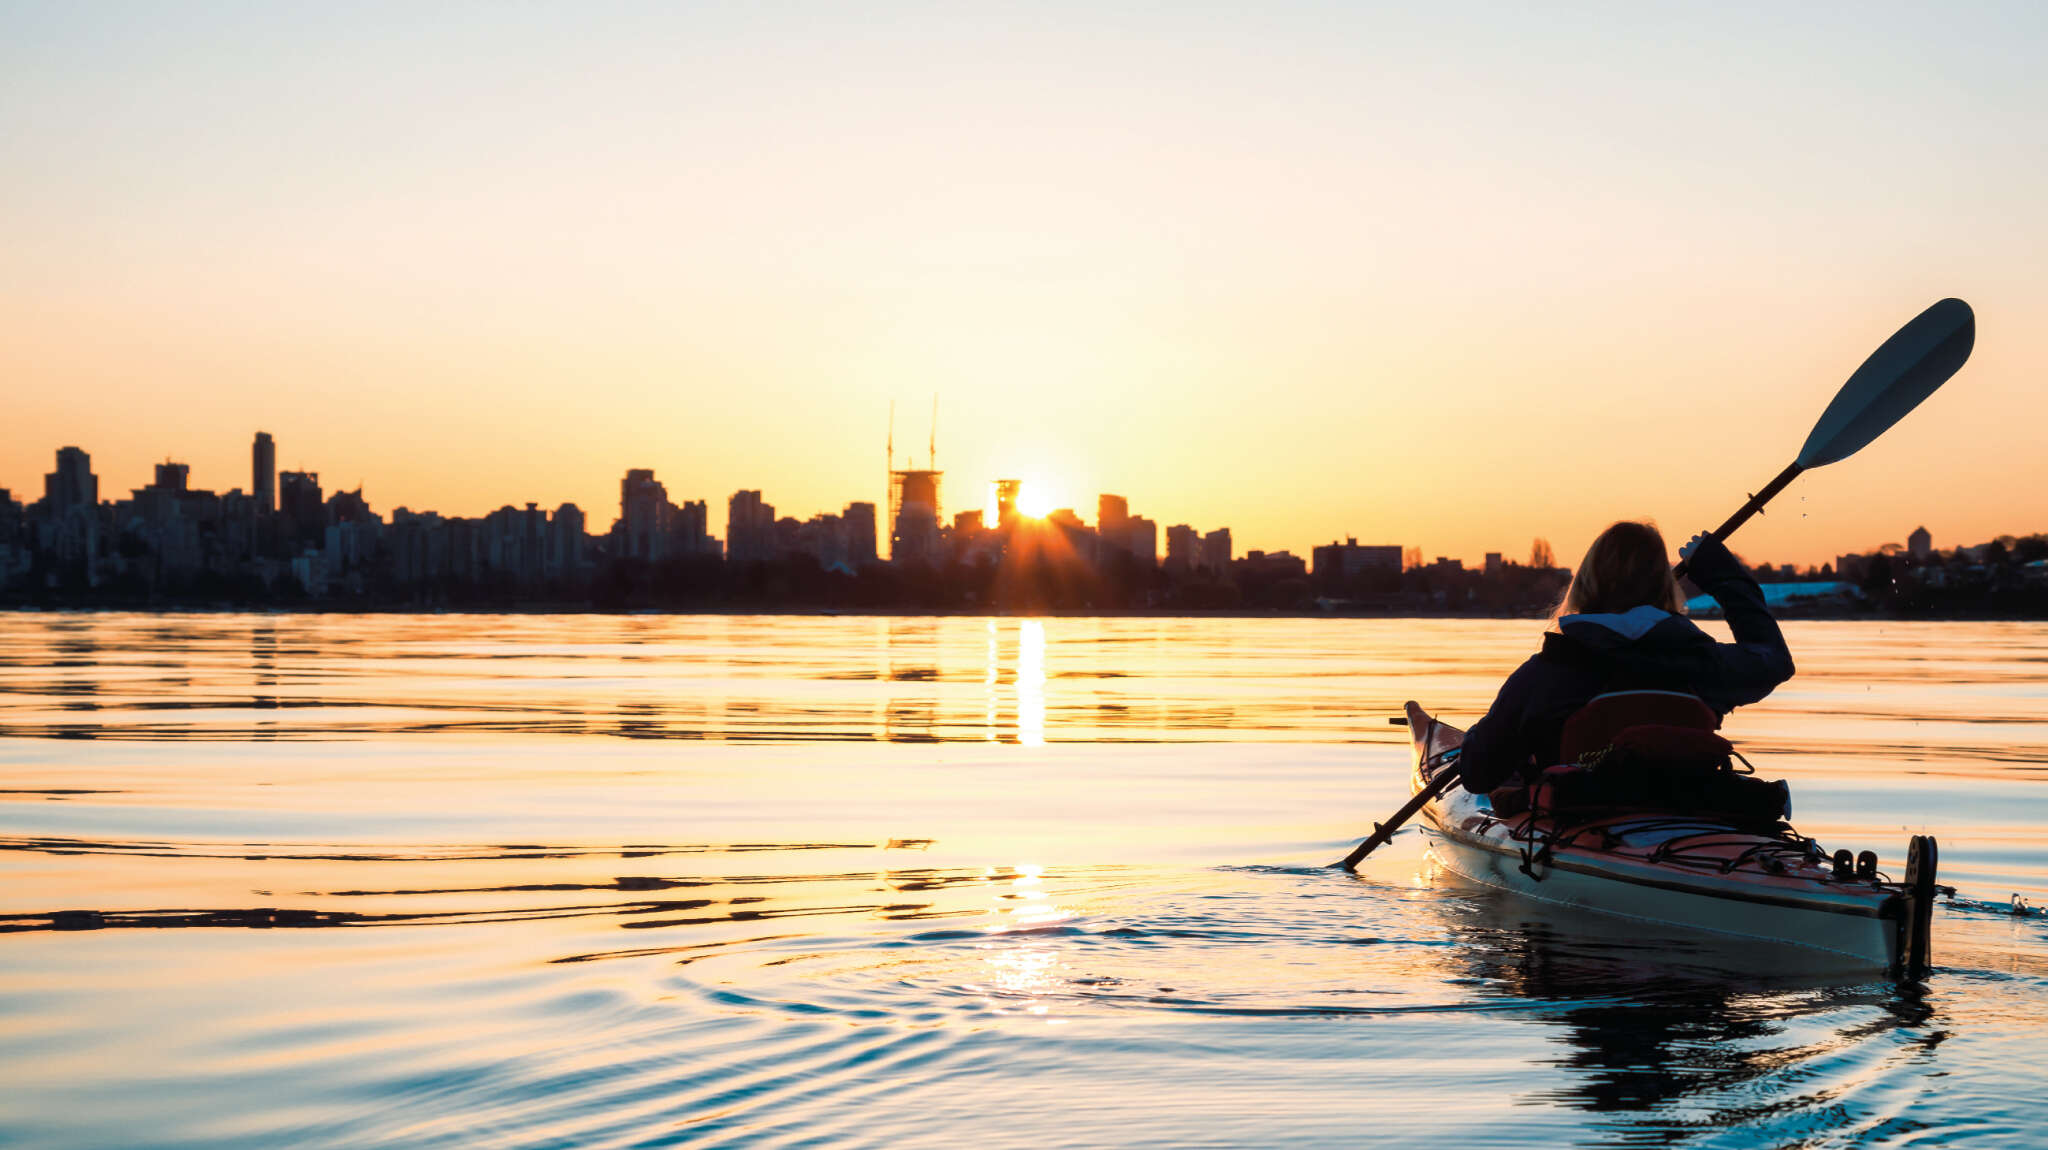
<point>1622,627</point>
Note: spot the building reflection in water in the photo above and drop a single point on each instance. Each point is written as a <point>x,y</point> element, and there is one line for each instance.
<point>992,662</point>
<point>913,656</point>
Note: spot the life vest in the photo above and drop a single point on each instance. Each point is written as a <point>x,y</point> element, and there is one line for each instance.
<point>1650,752</point>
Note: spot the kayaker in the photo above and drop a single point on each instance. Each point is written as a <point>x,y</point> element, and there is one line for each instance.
<point>1620,627</point>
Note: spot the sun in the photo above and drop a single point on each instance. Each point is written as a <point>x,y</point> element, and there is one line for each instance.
<point>1033,500</point>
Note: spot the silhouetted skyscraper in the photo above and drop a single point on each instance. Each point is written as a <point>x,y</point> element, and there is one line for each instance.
<point>914,516</point>
<point>298,495</point>
<point>1216,550</point>
<point>1183,547</point>
<point>173,477</point>
<point>749,528</point>
<point>565,545</point>
<point>1006,500</point>
<point>71,501</point>
<point>860,533</point>
<point>72,486</point>
<point>643,515</point>
<point>1141,539</point>
<point>263,462</point>
<point>690,529</point>
<point>1112,521</point>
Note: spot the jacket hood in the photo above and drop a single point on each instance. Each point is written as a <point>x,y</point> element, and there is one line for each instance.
<point>1644,631</point>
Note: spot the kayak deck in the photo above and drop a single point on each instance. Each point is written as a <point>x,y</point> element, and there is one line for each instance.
<point>1683,871</point>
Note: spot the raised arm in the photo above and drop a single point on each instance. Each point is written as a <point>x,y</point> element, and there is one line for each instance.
<point>1758,659</point>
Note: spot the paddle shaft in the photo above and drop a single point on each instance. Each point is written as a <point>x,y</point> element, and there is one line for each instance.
<point>1442,781</point>
<point>1755,504</point>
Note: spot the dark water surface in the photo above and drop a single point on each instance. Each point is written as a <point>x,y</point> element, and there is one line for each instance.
<point>643,881</point>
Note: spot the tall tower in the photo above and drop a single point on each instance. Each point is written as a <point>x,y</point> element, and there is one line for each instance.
<point>1006,500</point>
<point>263,461</point>
<point>1113,521</point>
<point>73,486</point>
<point>914,499</point>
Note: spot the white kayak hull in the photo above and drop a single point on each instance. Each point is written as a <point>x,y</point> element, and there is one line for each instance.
<point>1802,904</point>
<point>1851,937</point>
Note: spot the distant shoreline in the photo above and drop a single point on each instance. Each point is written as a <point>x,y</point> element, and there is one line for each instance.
<point>1783,615</point>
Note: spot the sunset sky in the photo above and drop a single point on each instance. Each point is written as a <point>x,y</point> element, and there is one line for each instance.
<point>1447,276</point>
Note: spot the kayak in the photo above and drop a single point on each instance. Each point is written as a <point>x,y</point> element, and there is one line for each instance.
<point>1683,871</point>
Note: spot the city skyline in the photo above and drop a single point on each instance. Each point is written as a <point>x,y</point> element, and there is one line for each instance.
<point>1413,274</point>
<point>646,509</point>
<point>647,512</point>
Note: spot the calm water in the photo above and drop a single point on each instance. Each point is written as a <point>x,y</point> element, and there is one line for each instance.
<point>590,881</point>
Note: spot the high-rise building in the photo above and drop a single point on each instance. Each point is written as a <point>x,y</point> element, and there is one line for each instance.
<point>643,516</point>
<point>1141,539</point>
<point>298,498</point>
<point>652,529</point>
<point>1006,500</point>
<point>71,500</point>
<point>823,538</point>
<point>860,533</point>
<point>750,528</point>
<point>173,477</point>
<point>72,486</point>
<point>1112,518</point>
<point>350,507</point>
<point>263,462</point>
<point>914,516</point>
<point>1216,550</point>
<point>690,530</point>
<point>1183,547</point>
<point>1920,545</point>
<point>564,557</point>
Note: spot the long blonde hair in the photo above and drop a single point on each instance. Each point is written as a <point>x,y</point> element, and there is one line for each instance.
<point>1627,566</point>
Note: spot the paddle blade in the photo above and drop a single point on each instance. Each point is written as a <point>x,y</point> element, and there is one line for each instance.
<point>1893,381</point>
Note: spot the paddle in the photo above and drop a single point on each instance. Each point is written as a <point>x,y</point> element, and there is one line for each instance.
<point>1446,775</point>
<point>1904,370</point>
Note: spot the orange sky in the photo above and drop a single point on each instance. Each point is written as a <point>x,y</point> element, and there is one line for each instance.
<point>1444,282</point>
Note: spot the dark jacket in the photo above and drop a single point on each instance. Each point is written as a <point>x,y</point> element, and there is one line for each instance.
<point>1642,649</point>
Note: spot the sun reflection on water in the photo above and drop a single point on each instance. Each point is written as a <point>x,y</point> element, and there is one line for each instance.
<point>1031,683</point>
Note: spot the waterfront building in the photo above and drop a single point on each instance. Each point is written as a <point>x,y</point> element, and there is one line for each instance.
<point>914,516</point>
<point>1141,539</point>
<point>750,533</point>
<point>690,530</point>
<point>1183,547</point>
<point>1006,501</point>
<point>643,515</point>
<point>298,497</point>
<point>824,538</point>
<point>1112,518</point>
<point>1271,565</point>
<point>1339,563</point>
<point>263,465</point>
<point>1216,551</point>
<point>72,486</point>
<point>1920,545</point>
<point>860,533</point>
